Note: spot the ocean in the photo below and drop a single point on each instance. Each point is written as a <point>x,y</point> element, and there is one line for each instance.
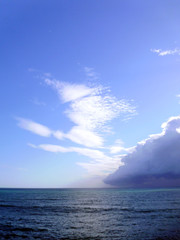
<point>90,214</point>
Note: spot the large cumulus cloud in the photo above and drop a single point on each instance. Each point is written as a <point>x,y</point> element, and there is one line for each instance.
<point>155,162</point>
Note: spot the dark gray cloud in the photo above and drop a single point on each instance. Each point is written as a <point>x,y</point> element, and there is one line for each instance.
<point>155,162</point>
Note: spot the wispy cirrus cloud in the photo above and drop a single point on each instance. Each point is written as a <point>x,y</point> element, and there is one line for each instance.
<point>100,163</point>
<point>76,134</point>
<point>95,110</point>
<point>37,102</point>
<point>91,153</point>
<point>85,137</point>
<point>38,128</point>
<point>91,109</point>
<point>69,92</point>
<point>90,73</point>
<point>102,167</point>
<point>161,52</point>
<point>52,148</point>
<point>34,127</point>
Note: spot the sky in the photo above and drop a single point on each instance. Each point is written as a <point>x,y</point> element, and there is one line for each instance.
<point>90,93</point>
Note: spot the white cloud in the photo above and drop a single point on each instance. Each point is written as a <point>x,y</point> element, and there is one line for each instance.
<point>58,134</point>
<point>171,124</point>
<point>32,145</point>
<point>38,128</point>
<point>90,109</point>
<point>37,102</point>
<point>50,148</point>
<point>91,153</point>
<point>53,148</point>
<point>90,73</point>
<point>69,92</point>
<point>34,127</point>
<point>161,52</point>
<point>118,147</point>
<point>97,155</point>
<point>103,167</point>
<point>76,134</point>
<point>84,137</point>
<point>100,163</point>
<point>96,110</point>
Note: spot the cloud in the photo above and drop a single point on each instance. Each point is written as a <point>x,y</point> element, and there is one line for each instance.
<point>161,52</point>
<point>84,137</point>
<point>76,134</point>
<point>69,92</point>
<point>53,148</point>
<point>95,111</point>
<point>91,153</point>
<point>97,155</point>
<point>119,147</point>
<point>155,162</point>
<point>58,134</point>
<point>90,73</point>
<point>100,164</point>
<point>102,167</point>
<point>38,128</point>
<point>50,148</point>
<point>34,127</point>
<point>90,108</point>
<point>38,103</point>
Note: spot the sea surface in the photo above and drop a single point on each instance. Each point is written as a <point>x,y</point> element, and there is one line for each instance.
<point>90,214</point>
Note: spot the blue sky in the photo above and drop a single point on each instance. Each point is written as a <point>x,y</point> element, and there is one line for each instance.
<point>82,82</point>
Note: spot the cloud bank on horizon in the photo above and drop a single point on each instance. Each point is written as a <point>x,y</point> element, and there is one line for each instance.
<point>91,109</point>
<point>155,161</point>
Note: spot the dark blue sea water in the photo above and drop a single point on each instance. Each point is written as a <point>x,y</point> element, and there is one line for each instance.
<point>90,214</point>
